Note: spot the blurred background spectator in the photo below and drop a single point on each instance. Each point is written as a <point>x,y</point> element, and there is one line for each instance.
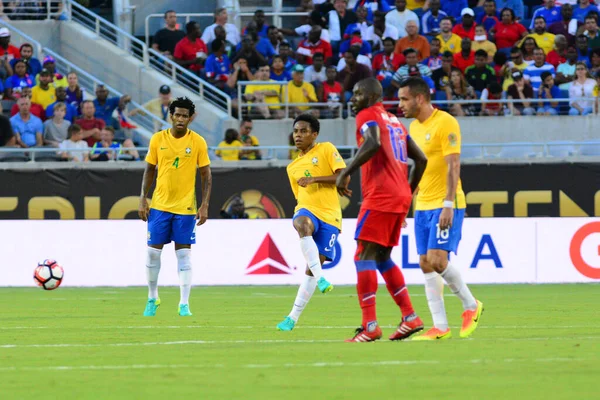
<point>165,40</point>
<point>581,88</point>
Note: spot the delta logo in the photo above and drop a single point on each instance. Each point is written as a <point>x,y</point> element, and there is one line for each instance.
<point>268,260</point>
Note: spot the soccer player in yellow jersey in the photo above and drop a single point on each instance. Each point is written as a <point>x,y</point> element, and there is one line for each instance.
<point>440,207</point>
<point>318,215</point>
<point>177,153</point>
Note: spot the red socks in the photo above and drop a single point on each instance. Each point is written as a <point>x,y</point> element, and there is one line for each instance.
<point>366,288</point>
<point>396,285</point>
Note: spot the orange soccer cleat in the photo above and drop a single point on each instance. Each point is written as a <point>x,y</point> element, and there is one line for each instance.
<point>362,335</point>
<point>434,334</point>
<point>407,329</point>
<point>471,320</point>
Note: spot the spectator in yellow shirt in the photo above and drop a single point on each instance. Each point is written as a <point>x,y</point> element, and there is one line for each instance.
<point>159,107</point>
<point>44,93</point>
<point>249,140</point>
<point>231,141</point>
<point>265,93</point>
<point>299,91</point>
<point>542,38</point>
<point>450,41</point>
<point>481,42</point>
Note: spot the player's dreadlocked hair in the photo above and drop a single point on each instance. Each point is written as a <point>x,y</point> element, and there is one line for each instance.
<point>183,102</point>
<point>315,126</point>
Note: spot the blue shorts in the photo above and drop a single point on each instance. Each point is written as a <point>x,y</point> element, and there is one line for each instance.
<point>429,237</point>
<point>164,227</point>
<point>325,235</point>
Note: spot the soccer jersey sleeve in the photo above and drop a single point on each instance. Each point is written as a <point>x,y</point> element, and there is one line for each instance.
<point>152,156</point>
<point>203,159</point>
<point>364,120</point>
<point>333,157</point>
<point>450,137</point>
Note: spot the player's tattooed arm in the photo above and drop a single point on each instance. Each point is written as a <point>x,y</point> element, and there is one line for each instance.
<point>206,177</point>
<point>447,215</point>
<point>328,180</point>
<point>147,181</point>
<point>417,155</point>
<point>370,146</point>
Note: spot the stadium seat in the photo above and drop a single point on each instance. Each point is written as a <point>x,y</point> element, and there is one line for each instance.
<point>561,149</point>
<point>590,149</point>
<point>517,150</point>
<point>471,151</point>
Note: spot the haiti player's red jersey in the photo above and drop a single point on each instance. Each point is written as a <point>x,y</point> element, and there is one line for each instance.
<point>384,180</point>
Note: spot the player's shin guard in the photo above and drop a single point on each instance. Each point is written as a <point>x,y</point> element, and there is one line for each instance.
<point>305,292</point>
<point>434,290</point>
<point>456,284</point>
<point>152,271</point>
<point>394,281</point>
<point>184,268</point>
<point>366,287</point>
<point>311,255</point>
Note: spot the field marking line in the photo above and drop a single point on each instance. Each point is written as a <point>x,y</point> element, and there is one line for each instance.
<point>266,341</point>
<point>287,365</point>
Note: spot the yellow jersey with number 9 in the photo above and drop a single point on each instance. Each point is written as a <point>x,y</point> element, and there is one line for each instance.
<point>438,136</point>
<point>320,199</point>
<point>177,160</point>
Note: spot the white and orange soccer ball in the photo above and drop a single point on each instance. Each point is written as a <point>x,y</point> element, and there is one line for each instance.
<point>48,274</point>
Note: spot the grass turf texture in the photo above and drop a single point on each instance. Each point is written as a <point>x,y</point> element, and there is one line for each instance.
<point>534,342</point>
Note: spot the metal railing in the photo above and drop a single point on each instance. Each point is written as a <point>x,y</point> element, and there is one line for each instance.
<point>328,110</point>
<point>487,151</point>
<point>45,9</point>
<point>237,16</point>
<point>148,56</point>
<point>88,82</point>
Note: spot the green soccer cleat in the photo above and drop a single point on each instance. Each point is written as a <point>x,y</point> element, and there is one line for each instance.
<point>151,307</point>
<point>184,310</point>
<point>324,285</point>
<point>286,325</point>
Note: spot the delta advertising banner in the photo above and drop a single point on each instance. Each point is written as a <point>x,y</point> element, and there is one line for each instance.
<point>267,252</point>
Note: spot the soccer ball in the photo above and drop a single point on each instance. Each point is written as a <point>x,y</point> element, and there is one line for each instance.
<point>48,274</point>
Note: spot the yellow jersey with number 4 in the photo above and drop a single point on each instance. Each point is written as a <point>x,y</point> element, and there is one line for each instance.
<point>177,160</point>
<point>320,199</point>
<point>438,136</point>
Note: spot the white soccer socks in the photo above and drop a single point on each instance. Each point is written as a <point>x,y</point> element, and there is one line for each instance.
<point>434,290</point>
<point>305,292</point>
<point>152,271</point>
<point>459,287</point>
<point>311,255</point>
<point>184,268</point>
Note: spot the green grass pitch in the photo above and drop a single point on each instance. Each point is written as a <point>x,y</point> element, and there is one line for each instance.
<point>534,342</point>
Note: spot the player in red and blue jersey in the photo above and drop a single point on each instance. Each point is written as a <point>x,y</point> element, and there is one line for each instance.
<point>384,149</point>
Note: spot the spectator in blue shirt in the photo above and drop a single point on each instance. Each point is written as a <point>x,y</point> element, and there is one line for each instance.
<point>33,64</point>
<point>261,44</point>
<point>548,91</point>
<point>490,16</point>
<point>550,12</point>
<point>582,10</point>
<point>454,7</point>
<point>15,83</point>
<point>217,66</point>
<point>28,128</point>
<point>372,6</point>
<point>430,22</point>
<point>278,72</point>
<point>583,50</point>
<point>515,5</point>
<point>61,97</point>
<point>285,51</point>
<point>105,106</point>
<point>365,47</point>
<point>262,29</point>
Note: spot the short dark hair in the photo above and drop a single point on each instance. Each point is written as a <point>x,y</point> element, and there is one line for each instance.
<point>388,39</point>
<point>435,39</point>
<point>352,51</point>
<point>216,45</point>
<point>276,56</point>
<point>481,53</point>
<point>448,54</point>
<point>245,119</point>
<point>515,50</point>
<point>448,18</point>
<point>190,26</point>
<point>318,54</point>
<point>545,74</point>
<point>183,102</point>
<point>512,13</point>
<point>315,126</point>
<point>73,128</point>
<point>408,51</point>
<point>284,43</point>
<point>500,58</point>
<point>168,12</point>
<point>271,27</point>
<point>539,17</point>
<point>259,11</point>
<point>494,87</point>
<point>416,85</point>
<point>230,135</point>
<point>590,16</point>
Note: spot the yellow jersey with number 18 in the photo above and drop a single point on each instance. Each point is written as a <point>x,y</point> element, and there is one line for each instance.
<point>177,160</point>
<point>438,136</point>
<point>320,199</point>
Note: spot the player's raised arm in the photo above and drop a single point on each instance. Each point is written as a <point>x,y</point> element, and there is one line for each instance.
<point>417,155</point>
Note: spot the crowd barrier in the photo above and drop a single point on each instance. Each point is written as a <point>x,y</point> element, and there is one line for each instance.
<point>267,252</point>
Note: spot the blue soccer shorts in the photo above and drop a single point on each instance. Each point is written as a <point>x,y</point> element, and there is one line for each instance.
<point>164,227</point>
<point>325,235</point>
<point>430,237</point>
